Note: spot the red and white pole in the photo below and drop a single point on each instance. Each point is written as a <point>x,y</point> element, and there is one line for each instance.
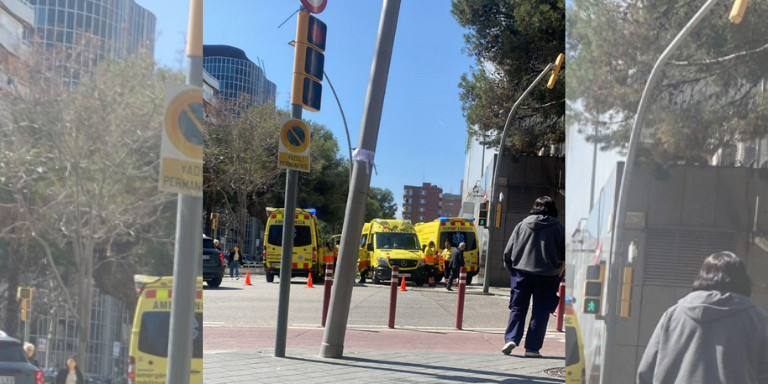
<point>327,292</point>
<point>462,291</point>
<point>393,296</point>
<point>561,306</point>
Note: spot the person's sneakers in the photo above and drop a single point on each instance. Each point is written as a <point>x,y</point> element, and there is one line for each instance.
<point>532,354</point>
<point>448,287</point>
<point>508,347</point>
<point>237,278</point>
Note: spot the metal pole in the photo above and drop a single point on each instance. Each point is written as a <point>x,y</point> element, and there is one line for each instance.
<point>286,258</point>
<point>619,246</point>
<point>327,290</point>
<point>494,199</point>
<point>393,296</point>
<point>460,300</point>
<point>346,266</point>
<point>346,129</point>
<point>187,257</point>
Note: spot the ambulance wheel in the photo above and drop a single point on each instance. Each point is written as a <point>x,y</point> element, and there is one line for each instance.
<point>419,282</point>
<point>215,282</point>
<point>270,277</point>
<point>374,278</point>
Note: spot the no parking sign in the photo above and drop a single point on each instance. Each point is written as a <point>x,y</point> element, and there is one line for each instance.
<point>181,157</point>
<point>294,146</point>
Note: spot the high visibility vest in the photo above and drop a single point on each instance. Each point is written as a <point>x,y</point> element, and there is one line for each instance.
<point>430,256</point>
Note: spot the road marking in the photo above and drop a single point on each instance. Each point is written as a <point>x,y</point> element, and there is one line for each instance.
<point>213,323</point>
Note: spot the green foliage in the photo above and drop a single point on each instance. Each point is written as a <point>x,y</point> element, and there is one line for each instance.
<point>380,205</point>
<point>513,41</point>
<point>710,94</point>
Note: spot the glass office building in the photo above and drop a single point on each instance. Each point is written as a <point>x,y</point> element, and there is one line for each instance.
<point>237,75</point>
<point>119,27</point>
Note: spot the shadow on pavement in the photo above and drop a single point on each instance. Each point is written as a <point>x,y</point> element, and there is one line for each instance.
<point>453,374</point>
<point>222,288</point>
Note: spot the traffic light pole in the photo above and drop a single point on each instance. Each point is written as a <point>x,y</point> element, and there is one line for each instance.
<point>346,267</point>
<point>495,199</point>
<point>187,257</point>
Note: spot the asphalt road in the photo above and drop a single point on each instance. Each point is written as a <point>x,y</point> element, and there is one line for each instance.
<point>234,304</point>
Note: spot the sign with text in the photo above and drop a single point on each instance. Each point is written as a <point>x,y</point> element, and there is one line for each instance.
<point>181,158</point>
<point>294,146</point>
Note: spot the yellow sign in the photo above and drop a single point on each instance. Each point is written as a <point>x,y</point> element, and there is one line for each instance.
<point>181,160</point>
<point>294,146</point>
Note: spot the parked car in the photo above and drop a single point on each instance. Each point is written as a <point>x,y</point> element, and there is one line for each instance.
<point>14,366</point>
<point>213,263</point>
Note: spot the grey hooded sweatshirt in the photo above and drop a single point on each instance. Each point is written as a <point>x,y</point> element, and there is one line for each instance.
<point>708,337</point>
<point>537,245</point>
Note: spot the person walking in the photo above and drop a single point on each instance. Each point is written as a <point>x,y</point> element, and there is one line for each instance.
<point>234,260</point>
<point>715,334</point>
<point>535,259</point>
<point>70,374</point>
<point>454,266</point>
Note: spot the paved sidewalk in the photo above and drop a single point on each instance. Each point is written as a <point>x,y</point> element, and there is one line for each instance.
<point>246,355</point>
<point>374,366</point>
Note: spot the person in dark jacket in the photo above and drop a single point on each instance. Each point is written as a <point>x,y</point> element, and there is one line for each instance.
<point>715,334</point>
<point>454,266</point>
<point>234,260</point>
<point>535,258</point>
<point>70,374</point>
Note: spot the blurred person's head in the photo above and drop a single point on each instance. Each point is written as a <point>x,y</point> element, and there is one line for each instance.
<point>447,243</point>
<point>29,349</point>
<point>71,363</point>
<point>462,246</point>
<point>545,206</point>
<point>724,272</point>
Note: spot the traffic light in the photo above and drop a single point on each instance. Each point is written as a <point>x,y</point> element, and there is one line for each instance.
<point>593,288</point>
<point>25,293</point>
<point>482,215</point>
<point>25,309</point>
<point>214,220</point>
<point>308,62</point>
<point>556,70</point>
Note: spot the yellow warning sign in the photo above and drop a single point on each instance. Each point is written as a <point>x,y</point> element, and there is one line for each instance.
<point>181,158</point>
<point>294,146</point>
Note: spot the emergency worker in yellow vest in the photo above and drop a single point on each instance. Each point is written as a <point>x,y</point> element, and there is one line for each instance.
<point>363,264</point>
<point>431,262</point>
<point>445,257</point>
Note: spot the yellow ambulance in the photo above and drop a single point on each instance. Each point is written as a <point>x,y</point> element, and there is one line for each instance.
<point>393,242</point>
<point>574,346</point>
<point>457,230</point>
<point>148,352</point>
<point>308,252</point>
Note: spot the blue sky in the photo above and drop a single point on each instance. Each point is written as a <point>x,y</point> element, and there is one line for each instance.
<point>422,133</point>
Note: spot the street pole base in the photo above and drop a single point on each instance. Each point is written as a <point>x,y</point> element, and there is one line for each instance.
<point>331,351</point>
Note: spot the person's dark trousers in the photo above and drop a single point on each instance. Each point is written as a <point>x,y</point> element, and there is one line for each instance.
<point>452,275</point>
<point>544,289</point>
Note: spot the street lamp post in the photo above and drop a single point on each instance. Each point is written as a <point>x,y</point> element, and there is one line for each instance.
<point>492,209</point>
<point>620,245</point>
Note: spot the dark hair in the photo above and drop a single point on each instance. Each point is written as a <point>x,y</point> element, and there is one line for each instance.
<point>544,205</point>
<point>724,272</point>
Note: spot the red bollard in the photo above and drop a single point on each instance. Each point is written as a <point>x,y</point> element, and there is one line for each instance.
<point>327,292</point>
<point>561,306</point>
<point>393,296</point>
<point>462,291</point>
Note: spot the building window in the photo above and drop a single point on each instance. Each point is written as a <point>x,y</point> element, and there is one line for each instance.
<point>409,192</point>
<point>422,201</point>
<point>421,218</point>
<point>421,209</point>
<point>423,192</point>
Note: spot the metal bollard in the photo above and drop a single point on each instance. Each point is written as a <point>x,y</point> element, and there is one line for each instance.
<point>393,296</point>
<point>561,306</point>
<point>327,292</point>
<point>462,291</point>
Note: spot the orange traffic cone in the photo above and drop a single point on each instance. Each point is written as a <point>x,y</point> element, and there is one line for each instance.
<point>248,278</point>
<point>402,284</point>
<point>309,282</point>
